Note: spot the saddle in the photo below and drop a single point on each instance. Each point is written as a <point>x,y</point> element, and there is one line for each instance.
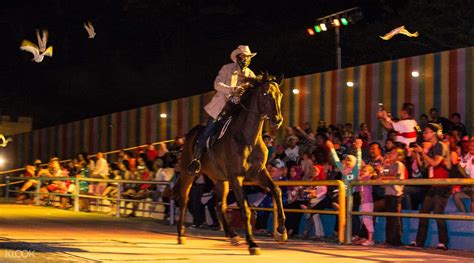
<point>219,131</point>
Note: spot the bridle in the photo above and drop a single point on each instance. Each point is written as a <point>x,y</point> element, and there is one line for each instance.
<point>264,116</point>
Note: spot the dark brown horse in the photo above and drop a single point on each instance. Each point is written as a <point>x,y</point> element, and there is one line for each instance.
<point>240,155</point>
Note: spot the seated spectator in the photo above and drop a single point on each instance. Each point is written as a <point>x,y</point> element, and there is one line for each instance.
<point>151,153</point>
<point>164,155</point>
<point>292,150</point>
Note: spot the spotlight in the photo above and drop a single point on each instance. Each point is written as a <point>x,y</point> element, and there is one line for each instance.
<point>336,22</point>
<point>310,31</point>
<point>317,29</point>
<point>350,84</point>
<point>163,115</point>
<point>344,21</point>
<point>296,91</point>
<point>323,27</point>
<point>415,74</point>
<point>2,161</point>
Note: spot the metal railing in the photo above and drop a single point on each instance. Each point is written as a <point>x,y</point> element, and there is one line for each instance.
<point>442,182</point>
<point>92,155</point>
<point>340,213</point>
<point>76,196</point>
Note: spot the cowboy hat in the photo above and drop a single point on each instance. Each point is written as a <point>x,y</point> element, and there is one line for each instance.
<point>242,49</point>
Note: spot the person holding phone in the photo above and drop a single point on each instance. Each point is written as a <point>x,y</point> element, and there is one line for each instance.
<point>405,127</point>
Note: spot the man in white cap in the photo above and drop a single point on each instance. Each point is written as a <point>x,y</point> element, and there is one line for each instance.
<point>230,82</point>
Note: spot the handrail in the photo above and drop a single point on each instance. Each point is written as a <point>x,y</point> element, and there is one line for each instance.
<point>450,181</point>
<point>341,213</point>
<point>77,195</point>
<point>105,153</point>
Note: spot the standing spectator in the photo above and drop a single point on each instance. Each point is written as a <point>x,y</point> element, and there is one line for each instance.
<point>467,163</point>
<point>151,153</point>
<point>367,204</point>
<point>195,206</point>
<point>446,124</point>
<point>164,155</point>
<point>292,151</point>
<point>267,139</point>
<point>437,196</point>
<point>293,219</point>
<point>175,150</point>
<point>101,171</point>
<point>394,169</point>
<point>307,127</point>
<point>317,201</point>
<point>405,128</point>
<point>458,125</point>
<point>322,128</point>
<point>423,121</point>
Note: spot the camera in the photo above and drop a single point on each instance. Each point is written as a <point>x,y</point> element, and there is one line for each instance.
<point>419,136</point>
<point>413,144</point>
<point>381,108</point>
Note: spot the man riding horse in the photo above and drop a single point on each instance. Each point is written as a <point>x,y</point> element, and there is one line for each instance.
<point>230,83</point>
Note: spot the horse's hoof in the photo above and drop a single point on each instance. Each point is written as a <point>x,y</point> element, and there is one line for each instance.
<point>235,241</point>
<point>181,240</point>
<point>281,237</point>
<point>254,251</point>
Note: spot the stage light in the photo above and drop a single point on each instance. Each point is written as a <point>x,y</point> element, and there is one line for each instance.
<point>415,74</point>
<point>310,31</point>
<point>317,29</point>
<point>336,22</point>
<point>2,161</point>
<point>163,115</point>
<point>323,27</point>
<point>350,84</point>
<point>296,91</point>
<point>344,21</point>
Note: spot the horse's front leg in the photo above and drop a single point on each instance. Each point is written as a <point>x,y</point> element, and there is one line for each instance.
<point>245,212</point>
<point>185,185</point>
<point>265,181</point>
<point>221,189</point>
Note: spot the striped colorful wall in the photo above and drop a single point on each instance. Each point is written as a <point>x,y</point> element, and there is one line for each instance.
<point>445,82</point>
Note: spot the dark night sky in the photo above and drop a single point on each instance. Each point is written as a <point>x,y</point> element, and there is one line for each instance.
<point>149,51</point>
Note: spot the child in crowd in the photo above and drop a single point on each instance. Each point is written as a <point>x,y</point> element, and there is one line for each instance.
<point>367,204</point>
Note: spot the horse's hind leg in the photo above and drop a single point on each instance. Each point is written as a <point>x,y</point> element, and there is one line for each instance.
<point>265,181</point>
<point>221,189</point>
<point>185,185</point>
<point>245,212</point>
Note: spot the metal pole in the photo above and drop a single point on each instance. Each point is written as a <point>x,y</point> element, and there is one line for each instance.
<point>76,196</point>
<point>172,208</point>
<point>38,188</point>
<point>349,204</point>
<point>342,212</point>
<point>338,49</point>
<point>7,186</point>
<point>119,194</point>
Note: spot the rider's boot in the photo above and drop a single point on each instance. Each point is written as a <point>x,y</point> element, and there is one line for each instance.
<point>195,165</point>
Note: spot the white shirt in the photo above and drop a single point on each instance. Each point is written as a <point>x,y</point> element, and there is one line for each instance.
<point>406,131</point>
<point>467,163</point>
<point>101,168</point>
<point>293,153</point>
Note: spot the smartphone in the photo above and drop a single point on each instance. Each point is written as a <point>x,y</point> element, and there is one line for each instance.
<point>381,108</point>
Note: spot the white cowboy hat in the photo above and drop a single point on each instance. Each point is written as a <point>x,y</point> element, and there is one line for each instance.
<point>242,49</point>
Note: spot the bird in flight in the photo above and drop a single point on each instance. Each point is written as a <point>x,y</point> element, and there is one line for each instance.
<point>4,141</point>
<point>90,29</point>
<point>399,30</point>
<point>40,50</point>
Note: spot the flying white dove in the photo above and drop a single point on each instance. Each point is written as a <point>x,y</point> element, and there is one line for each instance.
<point>38,52</point>
<point>90,29</point>
<point>4,141</point>
<point>42,40</point>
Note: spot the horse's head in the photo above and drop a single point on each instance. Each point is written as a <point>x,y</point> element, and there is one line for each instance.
<point>267,90</point>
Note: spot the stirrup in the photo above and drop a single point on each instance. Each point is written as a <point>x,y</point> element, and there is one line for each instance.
<point>195,166</point>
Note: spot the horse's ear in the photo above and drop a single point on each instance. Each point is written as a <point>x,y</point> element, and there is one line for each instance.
<point>279,79</point>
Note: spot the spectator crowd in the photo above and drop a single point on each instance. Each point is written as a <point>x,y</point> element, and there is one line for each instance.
<point>412,148</point>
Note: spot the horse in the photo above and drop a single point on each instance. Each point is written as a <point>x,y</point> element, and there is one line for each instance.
<point>239,155</point>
